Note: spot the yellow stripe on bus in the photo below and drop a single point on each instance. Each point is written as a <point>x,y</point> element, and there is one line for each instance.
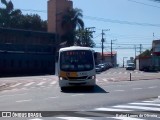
<point>68,74</point>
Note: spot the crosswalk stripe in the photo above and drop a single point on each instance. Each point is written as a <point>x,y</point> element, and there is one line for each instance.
<point>113,79</point>
<point>54,82</point>
<point>137,107</point>
<point>94,114</point>
<point>16,85</point>
<point>28,84</point>
<point>41,83</point>
<point>36,119</point>
<point>150,104</point>
<point>148,101</point>
<point>104,79</point>
<point>112,109</point>
<point>127,118</point>
<point>73,118</point>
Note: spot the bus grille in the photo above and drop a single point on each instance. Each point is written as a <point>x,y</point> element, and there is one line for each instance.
<point>74,78</point>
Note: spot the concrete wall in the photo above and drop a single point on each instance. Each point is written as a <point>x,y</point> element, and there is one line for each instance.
<point>26,52</point>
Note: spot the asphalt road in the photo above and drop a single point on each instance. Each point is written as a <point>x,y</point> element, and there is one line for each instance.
<point>137,95</point>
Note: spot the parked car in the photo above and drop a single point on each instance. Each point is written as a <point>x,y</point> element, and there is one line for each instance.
<point>102,67</point>
<point>98,68</point>
<point>130,66</point>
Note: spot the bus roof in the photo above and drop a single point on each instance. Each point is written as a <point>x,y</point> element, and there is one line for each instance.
<point>75,48</point>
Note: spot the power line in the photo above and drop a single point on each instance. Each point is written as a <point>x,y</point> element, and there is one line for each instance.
<point>104,19</point>
<point>120,21</point>
<point>144,3</point>
<point>31,10</point>
<point>127,43</point>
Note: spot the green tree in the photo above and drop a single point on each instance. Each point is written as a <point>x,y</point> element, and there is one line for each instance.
<point>33,22</point>
<point>5,13</point>
<point>146,53</point>
<point>70,21</point>
<point>84,38</point>
<point>10,18</point>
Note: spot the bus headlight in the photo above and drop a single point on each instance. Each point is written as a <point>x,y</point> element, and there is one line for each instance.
<point>92,77</point>
<point>62,78</point>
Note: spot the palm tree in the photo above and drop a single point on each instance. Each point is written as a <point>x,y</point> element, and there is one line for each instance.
<point>5,13</point>
<point>70,21</point>
<point>9,5</point>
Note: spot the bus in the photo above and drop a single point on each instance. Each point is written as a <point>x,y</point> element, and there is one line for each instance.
<point>76,67</point>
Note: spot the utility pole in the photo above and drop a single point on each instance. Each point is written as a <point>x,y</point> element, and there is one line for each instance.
<point>140,48</point>
<point>102,45</point>
<point>140,55</point>
<point>123,61</point>
<point>103,42</point>
<point>135,50</point>
<point>112,53</point>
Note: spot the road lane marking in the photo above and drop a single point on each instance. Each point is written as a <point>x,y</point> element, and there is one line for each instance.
<point>111,109</point>
<point>152,87</point>
<point>137,88</point>
<point>77,95</point>
<point>119,90</point>
<point>16,85</point>
<point>12,95</point>
<point>28,84</point>
<point>41,83</point>
<point>152,104</point>
<point>137,107</point>
<point>51,98</point>
<point>24,100</point>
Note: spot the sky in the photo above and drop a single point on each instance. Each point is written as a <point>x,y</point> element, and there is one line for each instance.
<point>130,22</point>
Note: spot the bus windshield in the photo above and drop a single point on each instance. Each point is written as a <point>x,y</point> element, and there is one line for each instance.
<point>76,60</point>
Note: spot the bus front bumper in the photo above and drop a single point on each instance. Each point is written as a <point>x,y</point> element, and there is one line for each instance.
<point>68,83</point>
